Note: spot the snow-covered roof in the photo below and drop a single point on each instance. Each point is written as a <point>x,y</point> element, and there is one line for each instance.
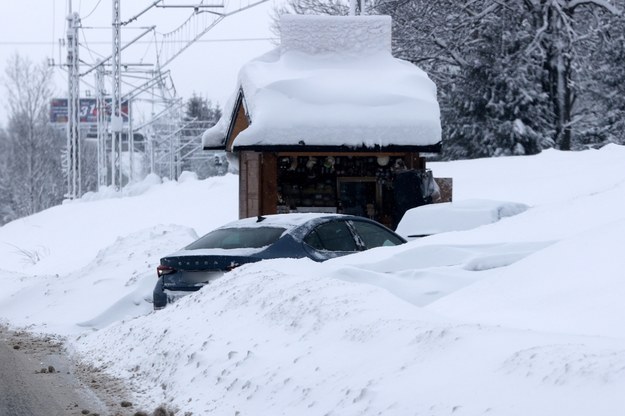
<point>278,220</point>
<point>332,82</point>
<point>455,216</point>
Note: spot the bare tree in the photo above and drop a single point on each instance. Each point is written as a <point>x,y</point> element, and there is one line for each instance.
<point>32,162</point>
<point>6,202</point>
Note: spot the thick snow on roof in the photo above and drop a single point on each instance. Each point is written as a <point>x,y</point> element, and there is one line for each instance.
<point>333,82</point>
<point>345,36</point>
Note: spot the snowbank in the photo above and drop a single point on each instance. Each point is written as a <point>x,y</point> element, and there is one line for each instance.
<point>523,316</point>
<point>66,237</point>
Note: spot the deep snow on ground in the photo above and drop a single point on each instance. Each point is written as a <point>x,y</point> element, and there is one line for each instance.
<point>519,317</point>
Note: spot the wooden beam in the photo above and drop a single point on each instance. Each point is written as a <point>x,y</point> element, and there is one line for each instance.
<point>269,183</point>
<point>340,154</point>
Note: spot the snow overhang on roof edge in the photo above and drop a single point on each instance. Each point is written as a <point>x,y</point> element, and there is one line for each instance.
<point>430,148</point>
<point>215,137</point>
<point>213,140</point>
<point>330,99</point>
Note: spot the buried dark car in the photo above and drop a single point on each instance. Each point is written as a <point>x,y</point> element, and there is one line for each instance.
<point>316,236</point>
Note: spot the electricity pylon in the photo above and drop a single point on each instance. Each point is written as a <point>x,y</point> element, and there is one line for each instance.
<point>73,109</point>
<point>117,122</point>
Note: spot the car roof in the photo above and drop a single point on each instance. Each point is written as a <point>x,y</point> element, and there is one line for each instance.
<point>288,221</point>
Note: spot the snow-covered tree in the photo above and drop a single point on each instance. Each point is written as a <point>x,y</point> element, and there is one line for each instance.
<point>200,114</point>
<point>600,108</point>
<point>511,74</point>
<point>564,31</point>
<point>330,7</point>
<point>489,84</point>
<point>508,110</point>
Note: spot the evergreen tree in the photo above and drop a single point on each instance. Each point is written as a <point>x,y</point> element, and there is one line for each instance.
<point>201,114</point>
<point>494,105</point>
<point>512,75</point>
<point>489,85</point>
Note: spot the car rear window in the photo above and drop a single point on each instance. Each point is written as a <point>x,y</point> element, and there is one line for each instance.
<point>230,238</point>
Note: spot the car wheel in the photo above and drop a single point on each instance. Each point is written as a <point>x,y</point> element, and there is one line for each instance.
<point>159,297</point>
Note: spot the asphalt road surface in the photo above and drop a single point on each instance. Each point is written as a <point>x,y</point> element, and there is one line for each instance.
<point>38,379</point>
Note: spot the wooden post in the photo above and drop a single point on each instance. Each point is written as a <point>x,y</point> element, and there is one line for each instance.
<point>249,184</point>
<point>269,183</point>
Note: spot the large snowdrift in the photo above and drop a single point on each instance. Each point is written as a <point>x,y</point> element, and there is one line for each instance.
<point>518,317</point>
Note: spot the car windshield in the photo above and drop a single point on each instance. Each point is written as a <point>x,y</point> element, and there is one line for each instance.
<point>230,238</point>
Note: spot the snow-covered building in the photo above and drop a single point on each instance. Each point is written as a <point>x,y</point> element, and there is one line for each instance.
<point>326,121</point>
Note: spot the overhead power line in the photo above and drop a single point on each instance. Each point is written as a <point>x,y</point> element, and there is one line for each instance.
<point>115,118</point>
<point>92,10</point>
<point>48,43</point>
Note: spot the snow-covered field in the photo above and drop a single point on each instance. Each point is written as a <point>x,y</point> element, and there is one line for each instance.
<point>525,316</point>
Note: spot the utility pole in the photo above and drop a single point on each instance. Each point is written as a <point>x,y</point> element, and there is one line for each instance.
<point>102,125</point>
<point>73,165</point>
<point>117,122</point>
<point>120,164</point>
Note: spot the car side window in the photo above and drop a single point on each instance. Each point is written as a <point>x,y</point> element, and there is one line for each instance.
<point>375,236</point>
<point>332,236</point>
<point>314,241</point>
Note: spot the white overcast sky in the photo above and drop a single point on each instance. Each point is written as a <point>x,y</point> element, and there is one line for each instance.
<point>33,28</point>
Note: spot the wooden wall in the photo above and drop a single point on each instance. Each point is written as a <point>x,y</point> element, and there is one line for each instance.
<point>258,180</point>
<point>258,184</point>
<point>269,183</point>
<point>249,184</point>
